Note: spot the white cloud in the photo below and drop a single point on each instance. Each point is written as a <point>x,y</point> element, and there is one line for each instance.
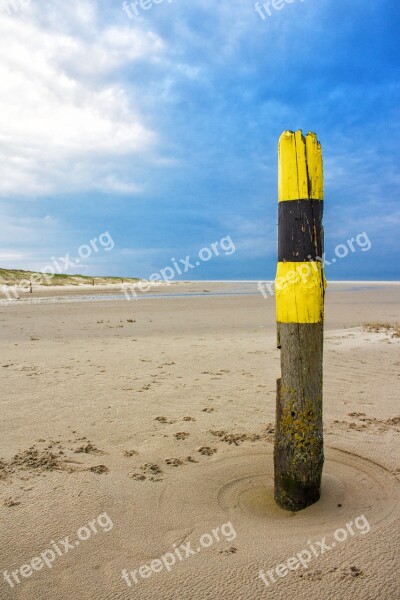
<point>59,115</point>
<point>111,184</point>
<point>12,256</point>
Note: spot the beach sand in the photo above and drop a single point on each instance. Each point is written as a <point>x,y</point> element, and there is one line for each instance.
<point>160,413</point>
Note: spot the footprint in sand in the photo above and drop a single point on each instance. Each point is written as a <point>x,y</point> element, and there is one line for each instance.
<point>148,471</point>
<point>190,459</point>
<point>352,572</point>
<point>10,502</point>
<point>164,421</point>
<point>380,425</point>
<point>346,573</point>
<point>181,435</point>
<point>129,453</point>
<point>207,451</point>
<point>99,469</point>
<point>174,462</point>
<point>178,462</point>
<point>237,438</point>
<point>88,448</point>
<point>137,476</point>
<point>145,387</point>
<point>231,550</point>
<point>35,461</point>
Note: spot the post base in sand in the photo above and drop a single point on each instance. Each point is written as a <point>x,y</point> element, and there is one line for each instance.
<point>293,495</point>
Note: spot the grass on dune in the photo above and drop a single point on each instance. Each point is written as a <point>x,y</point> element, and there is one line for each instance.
<point>13,277</point>
<point>377,326</point>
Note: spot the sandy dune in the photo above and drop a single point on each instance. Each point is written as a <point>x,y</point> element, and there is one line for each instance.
<point>158,414</point>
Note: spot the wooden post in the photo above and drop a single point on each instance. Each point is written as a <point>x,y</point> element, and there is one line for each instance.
<point>300,289</point>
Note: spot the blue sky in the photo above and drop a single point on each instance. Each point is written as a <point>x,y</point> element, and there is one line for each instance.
<point>162,130</point>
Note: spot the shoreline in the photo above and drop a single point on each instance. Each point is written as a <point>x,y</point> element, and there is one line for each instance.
<point>14,295</point>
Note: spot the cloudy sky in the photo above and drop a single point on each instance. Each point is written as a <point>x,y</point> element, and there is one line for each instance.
<point>161,128</point>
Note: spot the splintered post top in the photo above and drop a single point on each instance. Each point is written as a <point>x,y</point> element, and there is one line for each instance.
<point>300,167</point>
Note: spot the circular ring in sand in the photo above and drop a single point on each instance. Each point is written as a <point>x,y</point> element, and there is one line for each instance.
<point>350,484</point>
<point>240,488</point>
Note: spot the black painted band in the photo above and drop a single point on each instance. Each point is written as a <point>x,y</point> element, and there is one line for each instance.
<point>300,234</point>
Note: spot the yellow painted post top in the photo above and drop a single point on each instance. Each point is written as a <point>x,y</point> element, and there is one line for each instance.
<point>301,174</point>
<point>300,286</point>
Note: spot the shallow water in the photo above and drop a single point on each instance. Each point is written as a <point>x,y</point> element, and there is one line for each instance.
<point>238,289</point>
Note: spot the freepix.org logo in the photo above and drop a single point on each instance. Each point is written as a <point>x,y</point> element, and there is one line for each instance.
<point>60,265</point>
<point>314,550</point>
<point>224,246</point>
<point>265,9</point>
<point>179,553</point>
<point>138,6</point>
<point>304,270</point>
<point>58,549</point>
